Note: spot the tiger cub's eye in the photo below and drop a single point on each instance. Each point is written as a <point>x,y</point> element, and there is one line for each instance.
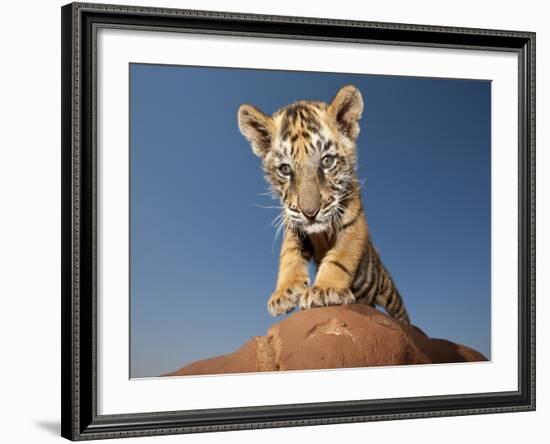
<point>285,170</point>
<point>328,162</point>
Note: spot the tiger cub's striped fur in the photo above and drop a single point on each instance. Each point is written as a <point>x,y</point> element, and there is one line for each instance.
<point>309,158</point>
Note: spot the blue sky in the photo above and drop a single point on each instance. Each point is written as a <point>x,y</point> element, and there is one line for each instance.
<point>203,256</point>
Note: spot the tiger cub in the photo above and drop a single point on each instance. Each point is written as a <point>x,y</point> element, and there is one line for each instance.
<point>309,159</point>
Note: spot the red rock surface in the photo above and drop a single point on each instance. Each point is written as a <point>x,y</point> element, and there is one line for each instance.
<point>334,337</point>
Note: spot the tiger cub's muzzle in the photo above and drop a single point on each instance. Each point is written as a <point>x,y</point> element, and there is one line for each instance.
<point>309,198</point>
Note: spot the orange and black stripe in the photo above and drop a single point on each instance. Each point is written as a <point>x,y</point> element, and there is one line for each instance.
<point>373,285</point>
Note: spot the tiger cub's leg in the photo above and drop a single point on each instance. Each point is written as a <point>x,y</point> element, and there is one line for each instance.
<point>339,264</point>
<point>293,276</point>
<point>387,295</point>
<point>373,285</point>
<point>393,303</point>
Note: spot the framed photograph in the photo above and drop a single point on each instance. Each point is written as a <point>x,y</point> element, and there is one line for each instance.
<point>278,221</point>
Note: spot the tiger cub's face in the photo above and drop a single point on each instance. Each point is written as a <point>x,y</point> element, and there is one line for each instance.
<point>308,154</point>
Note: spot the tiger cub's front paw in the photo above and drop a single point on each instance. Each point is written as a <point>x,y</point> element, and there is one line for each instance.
<point>321,297</point>
<point>286,299</point>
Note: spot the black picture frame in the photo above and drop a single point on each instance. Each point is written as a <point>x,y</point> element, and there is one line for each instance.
<point>79,209</point>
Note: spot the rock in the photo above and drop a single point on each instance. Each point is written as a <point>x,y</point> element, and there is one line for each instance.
<point>334,337</point>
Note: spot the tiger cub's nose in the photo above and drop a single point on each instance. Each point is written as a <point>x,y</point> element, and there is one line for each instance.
<point>310,212</point>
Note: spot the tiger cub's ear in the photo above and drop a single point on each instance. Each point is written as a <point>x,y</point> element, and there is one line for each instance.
<point>257,127</point>
<point>346,109</point>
